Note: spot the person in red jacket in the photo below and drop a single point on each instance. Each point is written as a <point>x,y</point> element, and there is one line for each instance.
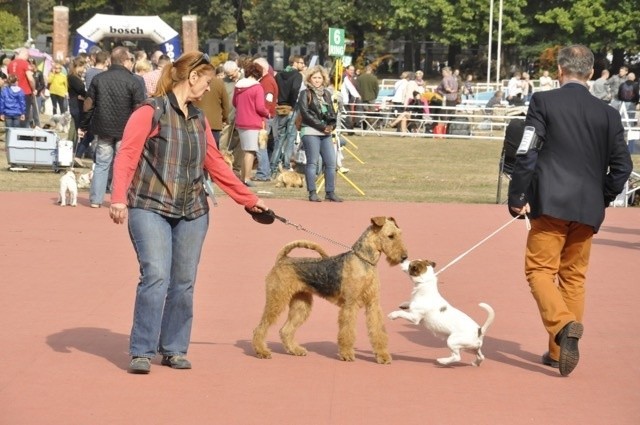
<point>21,68</point>
<point>251,112</point>
<point>159,184</point>
<point>270,87</point>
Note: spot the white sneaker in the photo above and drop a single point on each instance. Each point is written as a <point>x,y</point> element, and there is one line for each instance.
<point>343,170</point>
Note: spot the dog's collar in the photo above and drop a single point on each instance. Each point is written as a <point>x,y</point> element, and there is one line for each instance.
<point>366,260</point>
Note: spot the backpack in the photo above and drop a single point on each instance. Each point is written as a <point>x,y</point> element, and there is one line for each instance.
<point>626,92</point>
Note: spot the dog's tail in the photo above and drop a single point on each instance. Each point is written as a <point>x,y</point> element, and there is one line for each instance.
<point>490,316</point>
<point>300,244</point>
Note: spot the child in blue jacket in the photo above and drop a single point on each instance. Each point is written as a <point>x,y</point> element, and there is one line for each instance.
<point>12,103</point>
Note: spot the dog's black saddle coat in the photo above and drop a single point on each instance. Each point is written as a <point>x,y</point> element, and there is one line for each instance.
<point>323,275</point>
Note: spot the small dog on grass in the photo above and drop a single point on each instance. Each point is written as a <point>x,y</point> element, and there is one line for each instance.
<point>68,189</point>
<point>349,280</point>
<point>437,315</point>
<point>289,178</point>
<point>61,122</point>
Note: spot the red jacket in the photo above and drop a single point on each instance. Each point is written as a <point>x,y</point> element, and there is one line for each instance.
<point>248,99</point>
<point>270,88</point>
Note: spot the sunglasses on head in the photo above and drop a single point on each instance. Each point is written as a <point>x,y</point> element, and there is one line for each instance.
<point>202,60</point>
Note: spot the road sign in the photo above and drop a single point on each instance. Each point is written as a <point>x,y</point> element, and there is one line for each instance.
<point>336,42</point>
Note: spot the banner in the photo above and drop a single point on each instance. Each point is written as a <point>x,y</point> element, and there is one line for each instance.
<point>129,27</point>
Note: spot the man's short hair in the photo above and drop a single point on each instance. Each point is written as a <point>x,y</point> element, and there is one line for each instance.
<point>163,60</point>
<point>576,60</point>
<point>230,67</point>
<point>119,55</point>
<point>295,58</point>
<point>102,57</point>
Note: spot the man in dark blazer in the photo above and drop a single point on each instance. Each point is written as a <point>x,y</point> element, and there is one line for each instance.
<point>565,181</point>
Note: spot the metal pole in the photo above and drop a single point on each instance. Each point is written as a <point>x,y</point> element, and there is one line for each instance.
<point>29,40</point>
<point>490,43</point>
<point>499,45</point>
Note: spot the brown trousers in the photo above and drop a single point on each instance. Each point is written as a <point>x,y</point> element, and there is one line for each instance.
<point>556,264</point>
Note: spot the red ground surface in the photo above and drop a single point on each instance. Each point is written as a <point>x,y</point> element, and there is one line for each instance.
<point>67,289</point>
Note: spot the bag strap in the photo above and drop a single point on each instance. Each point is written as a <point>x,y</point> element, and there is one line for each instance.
<point>159,108</point>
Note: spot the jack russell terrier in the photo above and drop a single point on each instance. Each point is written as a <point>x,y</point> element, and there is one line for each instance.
<point>437,315</point>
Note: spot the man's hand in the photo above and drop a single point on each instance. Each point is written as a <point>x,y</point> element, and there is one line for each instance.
<point>522,210</point>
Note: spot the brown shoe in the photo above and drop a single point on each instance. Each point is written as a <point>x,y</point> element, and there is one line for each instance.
<point>567,339</point>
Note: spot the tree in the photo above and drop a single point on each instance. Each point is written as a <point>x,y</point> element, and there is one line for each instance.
<point>457,24</point>
<point>604,25</point>
<point>12,35</point>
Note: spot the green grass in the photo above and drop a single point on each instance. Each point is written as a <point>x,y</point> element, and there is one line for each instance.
<point>395,169</point>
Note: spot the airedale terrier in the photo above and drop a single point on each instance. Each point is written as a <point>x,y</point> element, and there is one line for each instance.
<point>349,280</point>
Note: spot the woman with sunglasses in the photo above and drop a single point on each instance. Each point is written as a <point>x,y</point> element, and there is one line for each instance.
<point>159,184</point>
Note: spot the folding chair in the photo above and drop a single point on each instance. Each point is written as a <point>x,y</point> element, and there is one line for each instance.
<point>512,137</point>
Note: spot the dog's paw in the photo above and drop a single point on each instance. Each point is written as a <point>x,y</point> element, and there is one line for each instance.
<point>347,356</point>
<point>383,358</point>
<point>297,351</point>
<point>393,315</point>
<point>263,355</point>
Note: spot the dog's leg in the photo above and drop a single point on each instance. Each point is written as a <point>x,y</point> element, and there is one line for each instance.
<point>455,352</point>
<point>274,306</point>
<point>347,331</point>
<point>63,198</point>
<point>74,198</point>
<point>377,333</point>
<point>407,315</point>
<point>299,311</point>
<point>479,358</point>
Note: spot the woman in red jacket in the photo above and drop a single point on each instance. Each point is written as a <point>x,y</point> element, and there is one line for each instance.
<point>251,112</point>
<point>158,182</point>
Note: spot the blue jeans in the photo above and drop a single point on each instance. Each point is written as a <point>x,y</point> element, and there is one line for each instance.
<point>28,113</point>
<point>12,121</point>
<point>283,148</point>
<point>168,251</point>
<point>106,149</point>
<point>316,147</point>
<point>264,168</point>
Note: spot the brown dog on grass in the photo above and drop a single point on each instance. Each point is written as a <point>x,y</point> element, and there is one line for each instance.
<point>349,280</point>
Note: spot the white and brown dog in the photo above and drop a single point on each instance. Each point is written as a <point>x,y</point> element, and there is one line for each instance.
<point>437,315</point>
<point>68,187</point>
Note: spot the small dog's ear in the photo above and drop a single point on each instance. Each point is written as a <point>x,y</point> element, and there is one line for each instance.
<point>432,264</point>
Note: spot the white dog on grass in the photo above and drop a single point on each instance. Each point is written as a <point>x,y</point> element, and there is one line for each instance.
<point>437,315</point>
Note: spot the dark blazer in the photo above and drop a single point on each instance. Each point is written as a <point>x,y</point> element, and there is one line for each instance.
<point>583,163</point>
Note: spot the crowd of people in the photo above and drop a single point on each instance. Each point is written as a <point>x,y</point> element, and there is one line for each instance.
<point>250,107</point>
<point>247,103</point>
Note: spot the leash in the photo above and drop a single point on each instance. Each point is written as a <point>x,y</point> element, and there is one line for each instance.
<point>268,217</point>
<point>461,256</point>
